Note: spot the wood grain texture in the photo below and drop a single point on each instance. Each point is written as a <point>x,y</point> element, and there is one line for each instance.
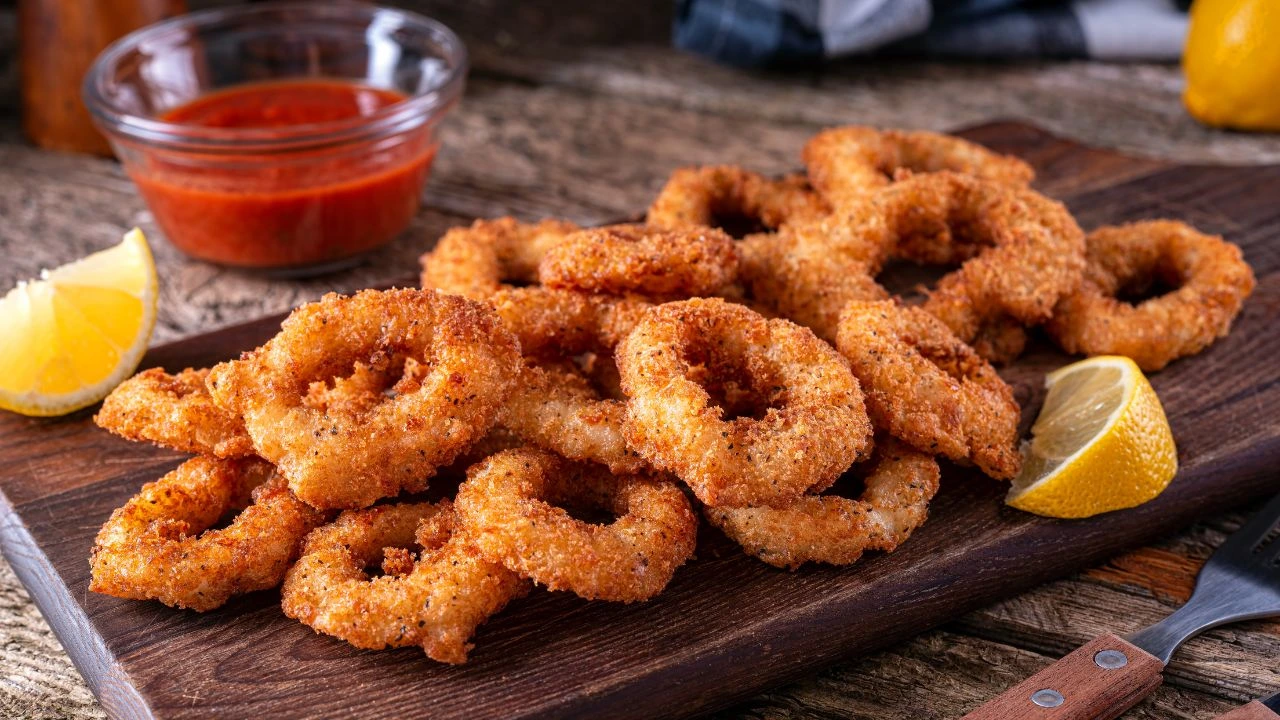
<point>698,646</point>
<point>1079,687</point>
<point>939,676</point>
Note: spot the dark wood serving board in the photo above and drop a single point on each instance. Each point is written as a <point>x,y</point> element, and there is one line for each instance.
<point>728,625</point>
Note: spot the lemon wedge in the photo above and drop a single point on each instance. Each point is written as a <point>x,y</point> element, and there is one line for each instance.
<point>78,331</point>
<point>1101,443</point>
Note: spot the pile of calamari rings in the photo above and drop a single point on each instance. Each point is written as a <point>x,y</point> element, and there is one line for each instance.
<point>592,392</point>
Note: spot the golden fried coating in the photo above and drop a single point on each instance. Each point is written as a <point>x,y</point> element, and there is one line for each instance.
<point>1211,281</point>
<point>724,194</point>
<point>455,363</point>
<point>1029,250</point>
<point>1020,253</point>
<point>809,271</point>
<point>553,404</point>
<point>435,599</point>
<point>477,261</point>
<point>621,259</point>
<point>498,439</point>
<point>845,163</point>
<point>929,389</point>
<point>747,411</point>
<point>514,505</point>
<point>899,483</point>
<point>551,324</point>
<point>158,547</point>
<point>556,408</point>
<point>174,411</point>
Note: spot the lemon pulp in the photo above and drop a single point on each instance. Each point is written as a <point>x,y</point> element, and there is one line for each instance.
<point>78,331</point>
<point>1101,443</point>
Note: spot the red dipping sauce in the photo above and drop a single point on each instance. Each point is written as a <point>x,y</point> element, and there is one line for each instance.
<point>276,203</point>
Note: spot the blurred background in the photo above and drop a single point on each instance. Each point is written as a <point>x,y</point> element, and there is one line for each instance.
<point>933,64</point>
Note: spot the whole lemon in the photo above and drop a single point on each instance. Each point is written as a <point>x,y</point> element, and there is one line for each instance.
<point>1232,64</point>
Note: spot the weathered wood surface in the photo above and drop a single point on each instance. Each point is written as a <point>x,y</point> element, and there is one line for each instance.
<point>695,654</point>
<point>688,650</point>
<point>564,118</point>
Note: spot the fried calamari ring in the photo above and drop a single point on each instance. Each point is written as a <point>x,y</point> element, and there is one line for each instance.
<point>513,504</point>
<point>553,404</point>
<point>174,411</point>
<point>783,280</point>
<point>1020,252</point>
<point>456,362</point>
<point>1211,279</point>
<point>727,195</point>
<point>899,483</point>
<point>477,261</point>
<point>435,600</point>
<point>845,163</point>
<point>929,389</point>
<point>158,547</point>
<point>783,413</point>
<point>621,259</point>
<point>1030,251</point>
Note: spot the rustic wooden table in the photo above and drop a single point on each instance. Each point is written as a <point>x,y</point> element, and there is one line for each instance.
<point>583,116</point>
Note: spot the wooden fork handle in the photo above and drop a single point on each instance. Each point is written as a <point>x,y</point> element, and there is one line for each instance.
<point>1096,682</point>
<point>1253,711</point>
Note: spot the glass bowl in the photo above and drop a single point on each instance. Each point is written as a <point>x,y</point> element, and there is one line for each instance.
<point>312,193</point>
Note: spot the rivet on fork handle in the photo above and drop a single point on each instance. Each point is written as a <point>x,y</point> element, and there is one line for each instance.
<point>1098,681</point>
<point>1110,659</point>
<point>1047,698</point>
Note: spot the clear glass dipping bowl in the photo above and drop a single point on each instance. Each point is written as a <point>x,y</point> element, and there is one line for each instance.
<point>297,199</point>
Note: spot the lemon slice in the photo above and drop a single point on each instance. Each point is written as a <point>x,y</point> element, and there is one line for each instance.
<point>1101,443</point>
<point>78,331</point>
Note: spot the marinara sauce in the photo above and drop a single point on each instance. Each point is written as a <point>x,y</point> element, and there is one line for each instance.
<point>269,205</point>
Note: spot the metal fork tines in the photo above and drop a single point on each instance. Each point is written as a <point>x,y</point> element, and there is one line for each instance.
<point>1241,581</point>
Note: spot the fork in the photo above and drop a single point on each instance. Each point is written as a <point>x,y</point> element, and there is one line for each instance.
<point>1110,674</point>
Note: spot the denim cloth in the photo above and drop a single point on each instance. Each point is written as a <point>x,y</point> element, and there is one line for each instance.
<point>773,33</point>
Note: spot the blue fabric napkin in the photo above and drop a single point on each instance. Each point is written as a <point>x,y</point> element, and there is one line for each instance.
<point>759,33</point>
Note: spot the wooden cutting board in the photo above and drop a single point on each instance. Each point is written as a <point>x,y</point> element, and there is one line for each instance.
<point>728,626</point>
